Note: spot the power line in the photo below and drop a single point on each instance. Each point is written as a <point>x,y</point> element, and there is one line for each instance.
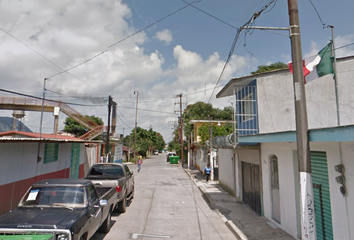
<point>50,100</point>
<point>45,57</point>
<point>142,29</point>
<point>250,21</point>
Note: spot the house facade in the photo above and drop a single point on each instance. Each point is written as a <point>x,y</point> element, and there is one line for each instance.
<point>26,159</point>
<point>265,114</point>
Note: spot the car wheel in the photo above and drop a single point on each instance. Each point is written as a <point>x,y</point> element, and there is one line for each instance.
<point>122,205</point>
<point>106,226</point>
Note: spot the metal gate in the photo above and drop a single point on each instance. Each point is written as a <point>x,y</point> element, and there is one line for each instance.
<point>321,195</point>
<point>251,186</point>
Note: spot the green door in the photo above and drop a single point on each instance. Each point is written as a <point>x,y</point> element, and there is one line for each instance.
<point>321,195</point>
<point>75,160</point>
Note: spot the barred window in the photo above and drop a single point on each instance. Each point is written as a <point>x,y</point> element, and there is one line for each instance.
<point>51,152</point>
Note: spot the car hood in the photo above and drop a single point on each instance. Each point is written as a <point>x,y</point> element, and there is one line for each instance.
<point>40,218</point>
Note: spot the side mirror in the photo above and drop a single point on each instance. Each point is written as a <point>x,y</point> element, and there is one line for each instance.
<point>103,202</point>
<point>131,172</point>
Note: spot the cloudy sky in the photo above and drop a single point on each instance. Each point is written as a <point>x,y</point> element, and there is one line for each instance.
<point>90,49</point>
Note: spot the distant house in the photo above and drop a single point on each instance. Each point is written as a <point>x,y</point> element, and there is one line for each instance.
<point>25,158</point>
<point>262,167</point>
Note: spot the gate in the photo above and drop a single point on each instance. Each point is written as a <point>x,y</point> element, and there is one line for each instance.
<point>251,186</point>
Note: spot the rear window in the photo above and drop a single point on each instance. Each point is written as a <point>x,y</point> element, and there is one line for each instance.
<point>106,171</point>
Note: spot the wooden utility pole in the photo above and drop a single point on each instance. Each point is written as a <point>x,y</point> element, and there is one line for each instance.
<point>307,208</point>
<point>136,121</point>
<point>110,101</point>
<point>181,127</point>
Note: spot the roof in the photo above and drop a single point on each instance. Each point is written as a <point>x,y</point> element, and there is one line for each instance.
<point>245,80</point>
<point>334,134</point>
<point>20,135</point>
<point>207,121</point>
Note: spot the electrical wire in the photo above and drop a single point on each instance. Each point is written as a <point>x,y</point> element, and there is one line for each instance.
<point>250,21</point>
<point>322,22</point>
<point>45,57</point>
<point>122,40</point>
<point>50,100</point>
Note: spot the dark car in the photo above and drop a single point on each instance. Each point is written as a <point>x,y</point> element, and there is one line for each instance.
<point>170,154</point>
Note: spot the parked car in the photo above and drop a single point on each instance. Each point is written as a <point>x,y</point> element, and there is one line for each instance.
<point>170,154</point>
<point>116,175</point>
<point>156,152</point>
<point>66,209</point>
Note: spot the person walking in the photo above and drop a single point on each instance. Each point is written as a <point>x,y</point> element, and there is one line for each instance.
<point>206,172</point>
<point>140,161</point>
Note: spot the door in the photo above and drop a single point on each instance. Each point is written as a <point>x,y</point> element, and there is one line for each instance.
<point>251,186</point>
<point>75,160</point>
<point>275,188</point>
<point>321,195</point>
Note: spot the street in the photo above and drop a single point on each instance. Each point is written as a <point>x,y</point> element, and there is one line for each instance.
<point>167,205</point>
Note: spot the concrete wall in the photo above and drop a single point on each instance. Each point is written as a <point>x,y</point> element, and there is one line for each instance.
<point>342,210</point>
<point>19,169</point>
<point>227,170</point>
<point>276,108</point>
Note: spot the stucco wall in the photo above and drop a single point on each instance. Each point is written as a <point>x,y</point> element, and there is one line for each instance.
<point>276,107</point>
<point>288,199</point>
<point>342,210</point>
<point>226,169</point>
<point>19,169</point>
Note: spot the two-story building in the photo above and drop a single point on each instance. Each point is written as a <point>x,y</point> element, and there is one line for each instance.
<point>261,169</point>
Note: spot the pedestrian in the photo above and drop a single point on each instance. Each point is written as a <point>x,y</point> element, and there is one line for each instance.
<point>206,172</point>
<point>140,161</point>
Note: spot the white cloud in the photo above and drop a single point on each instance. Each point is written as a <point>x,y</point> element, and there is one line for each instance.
<point>164,36</point>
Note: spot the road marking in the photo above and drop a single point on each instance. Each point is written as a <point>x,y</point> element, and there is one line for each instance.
<point>138,235</point>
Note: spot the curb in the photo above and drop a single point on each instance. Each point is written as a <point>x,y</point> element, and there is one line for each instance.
<point>233,228</point>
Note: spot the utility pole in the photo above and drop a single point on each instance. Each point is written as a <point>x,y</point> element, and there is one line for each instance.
<point>307,208</point>
<point>136,121</point>
<point>181,127</point>
<point>110,102</point>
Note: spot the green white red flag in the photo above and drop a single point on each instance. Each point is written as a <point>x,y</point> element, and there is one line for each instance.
<point>317,66</point>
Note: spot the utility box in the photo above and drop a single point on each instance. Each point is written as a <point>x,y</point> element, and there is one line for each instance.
<point>174,159</point>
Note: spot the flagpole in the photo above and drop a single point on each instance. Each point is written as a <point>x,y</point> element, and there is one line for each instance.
<point>335,74</point>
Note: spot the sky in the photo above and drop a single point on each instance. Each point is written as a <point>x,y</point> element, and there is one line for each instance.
<point>90,49</point>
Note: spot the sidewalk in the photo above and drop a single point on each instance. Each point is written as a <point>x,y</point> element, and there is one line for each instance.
<point>245,223</point>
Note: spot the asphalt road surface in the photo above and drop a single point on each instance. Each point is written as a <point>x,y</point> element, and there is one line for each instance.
<point>167,205</point>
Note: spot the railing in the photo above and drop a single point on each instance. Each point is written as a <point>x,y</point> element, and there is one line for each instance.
<point>71,112</point>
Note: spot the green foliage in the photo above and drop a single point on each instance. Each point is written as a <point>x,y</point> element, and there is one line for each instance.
<point>271,67</point>
<point>145,140</point>
<point>204,111</point>
<point>204,131</point>
<point>73,127</point>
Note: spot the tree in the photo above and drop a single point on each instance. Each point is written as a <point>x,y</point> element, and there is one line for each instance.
<point>204,131</point>
<point>204,111</point>
<point>146,140</point>
<point>73,127</point>
<point>271,67</point>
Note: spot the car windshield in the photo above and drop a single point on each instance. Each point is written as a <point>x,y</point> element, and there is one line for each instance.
<point>106,171</point>
<point>54,196</point>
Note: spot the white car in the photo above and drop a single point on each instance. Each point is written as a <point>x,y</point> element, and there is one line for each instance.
<point>156,152</point>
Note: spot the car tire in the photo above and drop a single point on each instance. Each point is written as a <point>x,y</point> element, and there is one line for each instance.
<point>106,226</point>
<point>122,205</point>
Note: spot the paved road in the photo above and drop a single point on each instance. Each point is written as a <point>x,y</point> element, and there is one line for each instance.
<point>167,205</point>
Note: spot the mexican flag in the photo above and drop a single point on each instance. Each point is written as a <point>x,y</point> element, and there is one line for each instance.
<point>317,66</point>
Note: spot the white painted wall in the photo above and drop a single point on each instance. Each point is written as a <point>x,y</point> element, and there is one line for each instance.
<point>226,168</point>
<point>342,210</point>
<point>288,200</point>
<point>276,108</point>
<point>19,160</point>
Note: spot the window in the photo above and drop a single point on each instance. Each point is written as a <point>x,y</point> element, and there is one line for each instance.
<point>247,107</point>
<point>51,152</point>
<point>91,195</point>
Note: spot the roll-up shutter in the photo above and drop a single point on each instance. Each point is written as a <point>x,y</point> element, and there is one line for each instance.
<point>322,197</point>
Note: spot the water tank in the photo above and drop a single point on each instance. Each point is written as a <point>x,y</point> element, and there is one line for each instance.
<point>18,114</point>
